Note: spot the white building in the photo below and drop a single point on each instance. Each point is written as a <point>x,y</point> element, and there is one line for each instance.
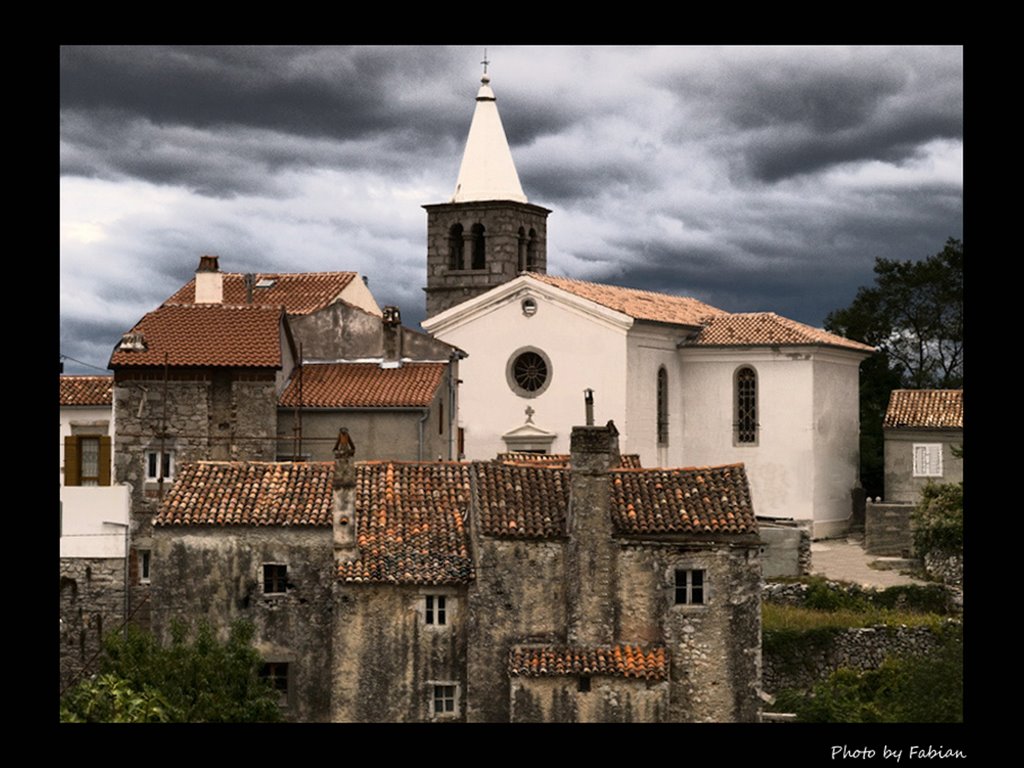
<point>686,383</point>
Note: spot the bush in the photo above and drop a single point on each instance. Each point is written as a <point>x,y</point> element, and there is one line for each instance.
<point>195,679</point>
<point>939,519</point>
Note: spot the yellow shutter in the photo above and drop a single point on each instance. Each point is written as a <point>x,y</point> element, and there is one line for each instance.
<point>104,460</point>
<point>72,464</point>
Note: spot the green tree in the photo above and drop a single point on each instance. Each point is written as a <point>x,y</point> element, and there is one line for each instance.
<point>196,678</point>
<point>914,315</point>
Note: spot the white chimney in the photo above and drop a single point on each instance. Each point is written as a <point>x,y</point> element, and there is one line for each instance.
<point>209,281</point>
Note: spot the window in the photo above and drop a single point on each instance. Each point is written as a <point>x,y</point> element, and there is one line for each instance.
<point>479,260</point>
<point>528,372</point>
<point>159,464</point>
<point>144,560</point>
<point>276,673</point>
<point>275,578</point>
<point>435,611</point>
<point>87,460</point>
<point>521,251</point>
<point>746,406</point>
<point>444,699</point>
<point>583,684</point>
<point>689,587</point>
<point>927,459</point>
<point>662,406</point>
<point>455,247</point>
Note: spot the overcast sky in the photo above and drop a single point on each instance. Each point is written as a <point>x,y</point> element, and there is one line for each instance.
<point>753,178</point>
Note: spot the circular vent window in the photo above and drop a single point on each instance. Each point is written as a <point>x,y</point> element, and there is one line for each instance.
<point>528,372</point>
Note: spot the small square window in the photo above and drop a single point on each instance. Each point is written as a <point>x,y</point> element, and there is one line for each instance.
<point>435,611</point>
<point>689,587</point>
<point>275,578</point>
<point>276,673</point>
<point>583,686</point>
<point>159,464</point>
<point>444,699</point>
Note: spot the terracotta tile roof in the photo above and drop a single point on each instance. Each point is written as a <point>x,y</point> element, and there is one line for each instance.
<point>364,385</point>
<point>925,409</point>
<point>86,390</point>
<point>300,293</point>
<point>627,460</point>
<point>207,335</point>
<point>617,661</point>
<point>521,501</point>
<point>767,328</point>
<point>225,493</point>
<point>411,524</point>
<point>640,305</point>
<point>691,501</point>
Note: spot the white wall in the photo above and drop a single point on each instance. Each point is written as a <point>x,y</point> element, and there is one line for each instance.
<point>572,340</point>
<point>651,347</point>
<point>84,415</point>
<point>781,465</point>
<point>94,520</point>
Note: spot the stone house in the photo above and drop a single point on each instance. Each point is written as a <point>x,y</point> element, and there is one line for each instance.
<point>687,383</point>
<point>483,592</point>
<point>94,518</point>
<point>922,428</point>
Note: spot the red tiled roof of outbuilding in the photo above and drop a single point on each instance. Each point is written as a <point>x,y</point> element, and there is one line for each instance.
<point>925,409</point>
<point>86,390</point>
<point>364,385</point>
<point>411,524</point>
<point>227,493</point>
<point>698,500</point>
<point>628,661</point>
<point>207,335</point>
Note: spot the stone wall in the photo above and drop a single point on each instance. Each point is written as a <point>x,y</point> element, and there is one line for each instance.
<point>91,604</point>
<point>888,529</point>
<point>857,648</point>
<point>945,567</point>
<point>607,700</point>
<point>218,574</point>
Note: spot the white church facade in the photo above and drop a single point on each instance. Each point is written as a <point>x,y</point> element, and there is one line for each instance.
<point>687,384</point>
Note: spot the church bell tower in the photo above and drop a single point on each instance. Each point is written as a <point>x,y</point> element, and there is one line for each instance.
<point>488,232</point>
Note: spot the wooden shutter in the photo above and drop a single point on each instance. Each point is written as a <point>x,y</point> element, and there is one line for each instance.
<point>104,460</point>
<point>72,463</point>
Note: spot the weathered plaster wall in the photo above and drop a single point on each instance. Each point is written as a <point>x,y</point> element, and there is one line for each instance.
<point>836,437</point>
<point>217,574</point>
<point>337,332</point>
<point>650,347</point>
<point>714,648</point>
<point>386,659</point>
<point>609,700</point>
<point>518,597</point>
<point>900,483</point>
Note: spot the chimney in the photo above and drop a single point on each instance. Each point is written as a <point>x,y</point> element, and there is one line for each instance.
<point>250,281</point>
<point>588,402</point>
<point>133,341</point>
<point>591,573</point>
<point>209,281</point>
<point>343,513</point>
<point>391,325</point>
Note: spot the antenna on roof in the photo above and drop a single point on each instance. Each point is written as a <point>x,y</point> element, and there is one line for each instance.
<point>485,62</point>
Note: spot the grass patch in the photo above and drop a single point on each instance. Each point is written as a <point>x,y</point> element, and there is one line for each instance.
<point>793,619</point>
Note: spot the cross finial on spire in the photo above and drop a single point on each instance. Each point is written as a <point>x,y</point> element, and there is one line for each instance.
<point>485,62</point>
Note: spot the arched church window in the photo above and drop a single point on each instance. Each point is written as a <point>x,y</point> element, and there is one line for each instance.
<point>662,406</point>
<point>479,262</point>
<point>746,406</point>
<point>521,252</point>
<point>455,252</point>
<point>531,252</point>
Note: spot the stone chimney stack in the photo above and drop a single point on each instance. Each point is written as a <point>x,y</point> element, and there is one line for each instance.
<point>392,331</point>
<point>209,281</point>
<point>343,515</point>
<point>591,566</point>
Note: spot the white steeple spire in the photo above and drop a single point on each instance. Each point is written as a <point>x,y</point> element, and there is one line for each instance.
<point>487,171</point>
